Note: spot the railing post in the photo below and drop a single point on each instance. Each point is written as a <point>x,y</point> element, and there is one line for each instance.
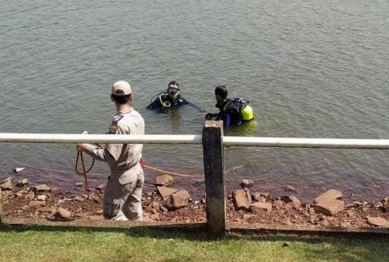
<point>1,207</point>
<point>214,178</point>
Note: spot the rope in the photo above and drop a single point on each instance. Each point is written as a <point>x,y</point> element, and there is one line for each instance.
<point>172,173</point>
<point>84,171</point>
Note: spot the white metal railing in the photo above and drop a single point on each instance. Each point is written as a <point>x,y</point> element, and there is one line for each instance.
<point>197,139</point>
<point>101,139</point>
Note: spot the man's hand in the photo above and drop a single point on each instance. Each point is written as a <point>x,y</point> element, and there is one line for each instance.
<point>81,147</point>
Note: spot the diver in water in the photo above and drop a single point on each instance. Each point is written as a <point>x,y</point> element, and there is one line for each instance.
<point>170,98</point>
<point>233,112</point>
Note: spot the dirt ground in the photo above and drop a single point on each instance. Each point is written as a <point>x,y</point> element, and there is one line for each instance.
<point>26,201</point>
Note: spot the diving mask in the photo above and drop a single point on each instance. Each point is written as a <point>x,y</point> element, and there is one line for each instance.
<point>173,90</point>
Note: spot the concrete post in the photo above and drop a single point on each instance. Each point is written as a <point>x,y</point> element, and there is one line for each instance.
<point>214,178</point>
<point>1,207</point>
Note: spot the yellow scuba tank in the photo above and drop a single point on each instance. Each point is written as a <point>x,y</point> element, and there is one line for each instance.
<point>247,113</point>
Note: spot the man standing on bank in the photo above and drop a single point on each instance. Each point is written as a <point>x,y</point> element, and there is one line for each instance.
<point>123,192</point>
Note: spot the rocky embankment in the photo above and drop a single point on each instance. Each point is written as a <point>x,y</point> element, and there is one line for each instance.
<point>168,204</point>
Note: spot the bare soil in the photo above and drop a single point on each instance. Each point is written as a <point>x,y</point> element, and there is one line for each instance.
<point>22,202</point>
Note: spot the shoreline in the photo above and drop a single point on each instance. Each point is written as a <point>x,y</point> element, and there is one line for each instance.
<point>43,202</point>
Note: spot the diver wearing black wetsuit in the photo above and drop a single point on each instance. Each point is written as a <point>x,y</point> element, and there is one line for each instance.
<point>233,112</point>
<point>171,98</point>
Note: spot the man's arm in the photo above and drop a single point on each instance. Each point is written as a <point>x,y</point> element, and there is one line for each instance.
<point>155,104</point>
<point>186,102</point>
<point>109,153</point>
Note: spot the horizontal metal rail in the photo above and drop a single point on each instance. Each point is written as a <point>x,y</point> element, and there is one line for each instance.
<point>197,139</point>
<point>99,139</point>
<point>306,142</point>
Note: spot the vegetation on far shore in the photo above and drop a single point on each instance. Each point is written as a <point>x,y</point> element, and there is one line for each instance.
<point>74,243</point>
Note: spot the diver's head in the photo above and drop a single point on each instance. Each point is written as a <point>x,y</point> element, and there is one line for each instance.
<point>173,89</point>
<point>221,93</point>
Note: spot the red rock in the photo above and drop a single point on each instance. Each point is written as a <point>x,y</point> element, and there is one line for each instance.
<point>22,182</point>
<point>6,184</point>
<point>241,200</point>
<point>330,194</point>
<point>378,221</point>
<point>165,192</point>
<point>37,203</point>
<point>64,213</point>
<point>41,188</point>
<point>164,180</point>
<point>258,207</point>
<point>329,206</point>
<point>291,199</point>
<point>247,183</point>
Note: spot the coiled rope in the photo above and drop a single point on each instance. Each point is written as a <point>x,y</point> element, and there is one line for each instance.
<point>84,172</point>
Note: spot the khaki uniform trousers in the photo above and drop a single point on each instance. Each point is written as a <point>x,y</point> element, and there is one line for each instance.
<point>123,201</point>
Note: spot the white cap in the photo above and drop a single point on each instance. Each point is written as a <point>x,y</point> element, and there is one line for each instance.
<point>121,88</point>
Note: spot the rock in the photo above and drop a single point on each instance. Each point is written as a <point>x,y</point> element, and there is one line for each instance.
<point>178,200</point>
<point>95,218</point>
<point>79,184</point>
<point>378,221</point>
<point>247,183</point>
<point>22,182</point>
<point>260,197</point>
<point>325,223</point>
<point>164,180</point>
<point>30,196</point>
<point>329,206</point>
<point>344,224</point>
<point>78,198</point>
<point>285,244</point>
<point>6,184</point>
<point>95,198</point>
<point>291,199</point>
<point>100,187</point>
<point>330,194</point>
<point>25,208</point>
<point>41,188</point>
<point>265,194</point>
<point>63,213</point>
<point>278,204</point>
<point>41,197</point>
<point>154,217</point>
<point>287,222</point>
<point>37,203</point>
<point>46,209</point>
<point>259,207</point>
<point>166,192</point>
<point>247,216</point>
<point>290,188</point>
<point>241,199</point>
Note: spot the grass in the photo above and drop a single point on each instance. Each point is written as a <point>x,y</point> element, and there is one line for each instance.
<point>70,243</point>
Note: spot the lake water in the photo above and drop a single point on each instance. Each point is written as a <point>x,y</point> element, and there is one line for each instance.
<point>312,69</point>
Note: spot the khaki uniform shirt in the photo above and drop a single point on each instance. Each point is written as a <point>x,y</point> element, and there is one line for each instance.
<point>123,159</point>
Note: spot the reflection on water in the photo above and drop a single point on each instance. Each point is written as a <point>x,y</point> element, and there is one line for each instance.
<point>308,71</point>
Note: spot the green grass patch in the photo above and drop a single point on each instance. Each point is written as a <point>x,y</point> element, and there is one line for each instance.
<point>66,243</point>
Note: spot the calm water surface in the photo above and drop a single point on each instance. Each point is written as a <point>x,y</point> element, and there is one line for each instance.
<point>309,68</point>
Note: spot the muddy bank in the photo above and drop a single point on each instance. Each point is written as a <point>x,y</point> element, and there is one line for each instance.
<point>171,203</point>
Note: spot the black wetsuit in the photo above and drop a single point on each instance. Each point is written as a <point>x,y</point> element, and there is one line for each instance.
<point>164,101</point>
<point>229,112</point>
